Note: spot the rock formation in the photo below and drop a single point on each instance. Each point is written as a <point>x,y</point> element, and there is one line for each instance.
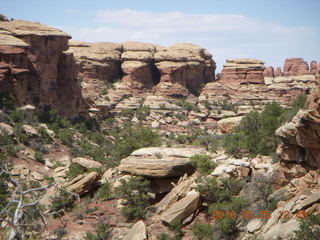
<point>239,71</point>
<point>278,72</point>
<point>300,137</point>
<point>313,67</point>
<point>295,66</point>
<point>35,69</point>
<point>183,68</point>
<point>243,87</point>
<point>169,71</point>
<point>160,162</point>
<point>268,72</point>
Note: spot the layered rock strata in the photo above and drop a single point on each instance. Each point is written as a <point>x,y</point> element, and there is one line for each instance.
<point>244,86</point>
<point>300,137</point>
<point>169,71</point>
<point>242,71</point>
<point>34,68</point>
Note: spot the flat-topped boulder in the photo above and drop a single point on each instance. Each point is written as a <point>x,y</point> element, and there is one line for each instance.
<point>160,162</point>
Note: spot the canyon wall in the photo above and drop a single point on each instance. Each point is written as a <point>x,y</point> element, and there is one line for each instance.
<point>35,69</point>
<point>300,141</point>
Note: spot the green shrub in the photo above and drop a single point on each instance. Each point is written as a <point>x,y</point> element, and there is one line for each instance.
<point>256,131</point>
<point>309,228</point>
<point>131,139</point>
<point>228,225</point>
<point>75,170</point>
<point>207,105</point>
<point>135,193</point>
<point>39,157</point>
<point>164,236</point>
<point>11,150</point>
<point>184,139</point>
<point>186,105</point>
<point>66,136</point>
<point>229,106</point>
<point>104,91</point>
<point>142,113</point>
<point>62,202</point>
<point>104,191</point>
<point>102,232</point>
<point>203,231</point>
<point>45,138</point>
<point>86,149</point>
<point>209,188</point>
<point>203,163</point>
<point>127,113</point>
<point>7,101</point>
<point>4,193</point>
<point>211,142</point>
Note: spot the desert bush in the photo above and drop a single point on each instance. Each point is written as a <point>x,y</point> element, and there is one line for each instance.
<point>211,142</point>
<point>62,202</point>
<point>66,136</point>
<point>203,231</point>
<point>308,228</point>
<point>86,149</point>
<point>45,138</point>
<point>131,139</point>
<point>225,105</point>
<point>186,105</point>
<point>104,191</point>
<point>4,192</point>
<point>134,192</point>
<point>142,113</point>
<point>75,170</point>
<point>102,232</point>
<point>228,225</point>
<point>7,101</point>
<point>203,163</point>
<point>256,131</point>
<point>39,157</point>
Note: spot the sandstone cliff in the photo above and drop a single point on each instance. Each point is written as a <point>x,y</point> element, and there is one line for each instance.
<point>35,69</point>
<point>168,71</point>
<point>247,85</point>
<point>300,137</point>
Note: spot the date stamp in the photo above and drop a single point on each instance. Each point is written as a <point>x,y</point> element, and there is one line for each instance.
<point>264,214</point>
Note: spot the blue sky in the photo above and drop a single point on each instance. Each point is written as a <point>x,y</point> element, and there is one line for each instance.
<point>270,30</point>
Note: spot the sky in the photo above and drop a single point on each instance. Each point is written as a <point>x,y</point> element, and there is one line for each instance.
<point>269,30</point>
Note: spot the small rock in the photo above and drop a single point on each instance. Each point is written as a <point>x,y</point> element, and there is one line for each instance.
<point>137,232</point>
<point>254,225</point>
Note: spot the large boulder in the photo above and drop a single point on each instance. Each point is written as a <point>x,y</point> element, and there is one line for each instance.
<point>80,185</point>
<point>157,162</point>
<point>182,208</point>
<point>137,232</point>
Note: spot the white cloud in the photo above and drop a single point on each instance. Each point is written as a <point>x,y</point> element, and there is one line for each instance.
<point>227,36</point>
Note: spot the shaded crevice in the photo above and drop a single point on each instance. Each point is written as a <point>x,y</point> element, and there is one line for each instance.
<point>156,76</point>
